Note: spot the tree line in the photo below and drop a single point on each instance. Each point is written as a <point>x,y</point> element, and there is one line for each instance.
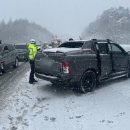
<point>21,31</point>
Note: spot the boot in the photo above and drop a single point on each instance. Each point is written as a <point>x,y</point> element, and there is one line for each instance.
<point>31,82</point>
<point>35,80</point>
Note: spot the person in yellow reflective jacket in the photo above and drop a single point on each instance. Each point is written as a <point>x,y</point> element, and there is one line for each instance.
<point>32,53</point>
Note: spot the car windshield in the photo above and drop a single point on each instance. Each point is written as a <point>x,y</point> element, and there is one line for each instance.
<point>72,44</point>
<point>21,46</point>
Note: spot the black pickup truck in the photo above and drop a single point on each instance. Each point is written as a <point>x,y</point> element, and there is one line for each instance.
<point>83,62</point>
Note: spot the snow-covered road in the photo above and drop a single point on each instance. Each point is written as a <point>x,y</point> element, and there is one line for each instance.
<point>46,107</point>
<point>8,81</point>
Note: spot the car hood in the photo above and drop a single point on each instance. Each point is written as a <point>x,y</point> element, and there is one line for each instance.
<point>62,49</point>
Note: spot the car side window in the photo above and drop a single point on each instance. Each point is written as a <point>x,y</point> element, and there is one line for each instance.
<point>115,48</point>
<point>102,48</point>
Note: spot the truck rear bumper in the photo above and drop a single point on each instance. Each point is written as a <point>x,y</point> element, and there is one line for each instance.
<point>46,77</point>
<point>62,79</point>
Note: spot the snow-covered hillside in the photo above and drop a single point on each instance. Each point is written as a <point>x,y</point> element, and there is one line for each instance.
<point>113,24</point>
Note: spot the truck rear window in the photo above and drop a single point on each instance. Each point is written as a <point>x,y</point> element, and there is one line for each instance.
<point>72,44</point>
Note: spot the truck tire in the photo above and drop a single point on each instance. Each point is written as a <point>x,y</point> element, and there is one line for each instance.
<point>88,81</point>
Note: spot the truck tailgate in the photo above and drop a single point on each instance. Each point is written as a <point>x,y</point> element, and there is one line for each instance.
<point>47,65</point>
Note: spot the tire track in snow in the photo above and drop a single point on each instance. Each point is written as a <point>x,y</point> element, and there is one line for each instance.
<point>9,81</point>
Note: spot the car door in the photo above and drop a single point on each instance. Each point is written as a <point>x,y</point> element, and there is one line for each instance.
<point>12,53</point>
<point>104,60</point>
<point>119,57</point>
<point>6,56</point>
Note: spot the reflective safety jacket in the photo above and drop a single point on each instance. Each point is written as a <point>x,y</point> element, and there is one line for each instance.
<point>32,51</point>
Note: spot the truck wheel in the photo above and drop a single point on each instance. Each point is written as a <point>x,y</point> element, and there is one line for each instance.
<point>88,81</point>
<point>16,63</point>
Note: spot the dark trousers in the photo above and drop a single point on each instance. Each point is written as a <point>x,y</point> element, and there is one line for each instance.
<point>32,65</point>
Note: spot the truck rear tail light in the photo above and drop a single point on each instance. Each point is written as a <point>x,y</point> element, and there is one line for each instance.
<point>66,68</point>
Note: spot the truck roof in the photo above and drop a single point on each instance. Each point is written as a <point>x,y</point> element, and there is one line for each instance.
<point>94,40</point>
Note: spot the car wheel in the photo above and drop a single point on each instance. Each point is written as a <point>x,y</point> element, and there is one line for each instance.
<point>16,63</point>
<point>88,81</point>
<point>2,69</point>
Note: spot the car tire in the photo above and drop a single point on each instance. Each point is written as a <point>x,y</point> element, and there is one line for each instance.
<point>88,81</point>
<point>2,69</point>
<point>16,63</point>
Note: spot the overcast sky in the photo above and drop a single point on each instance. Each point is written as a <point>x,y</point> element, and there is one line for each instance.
<point>62,17</point>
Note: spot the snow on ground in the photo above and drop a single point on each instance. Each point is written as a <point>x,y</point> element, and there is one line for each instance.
<point>45,107</point>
